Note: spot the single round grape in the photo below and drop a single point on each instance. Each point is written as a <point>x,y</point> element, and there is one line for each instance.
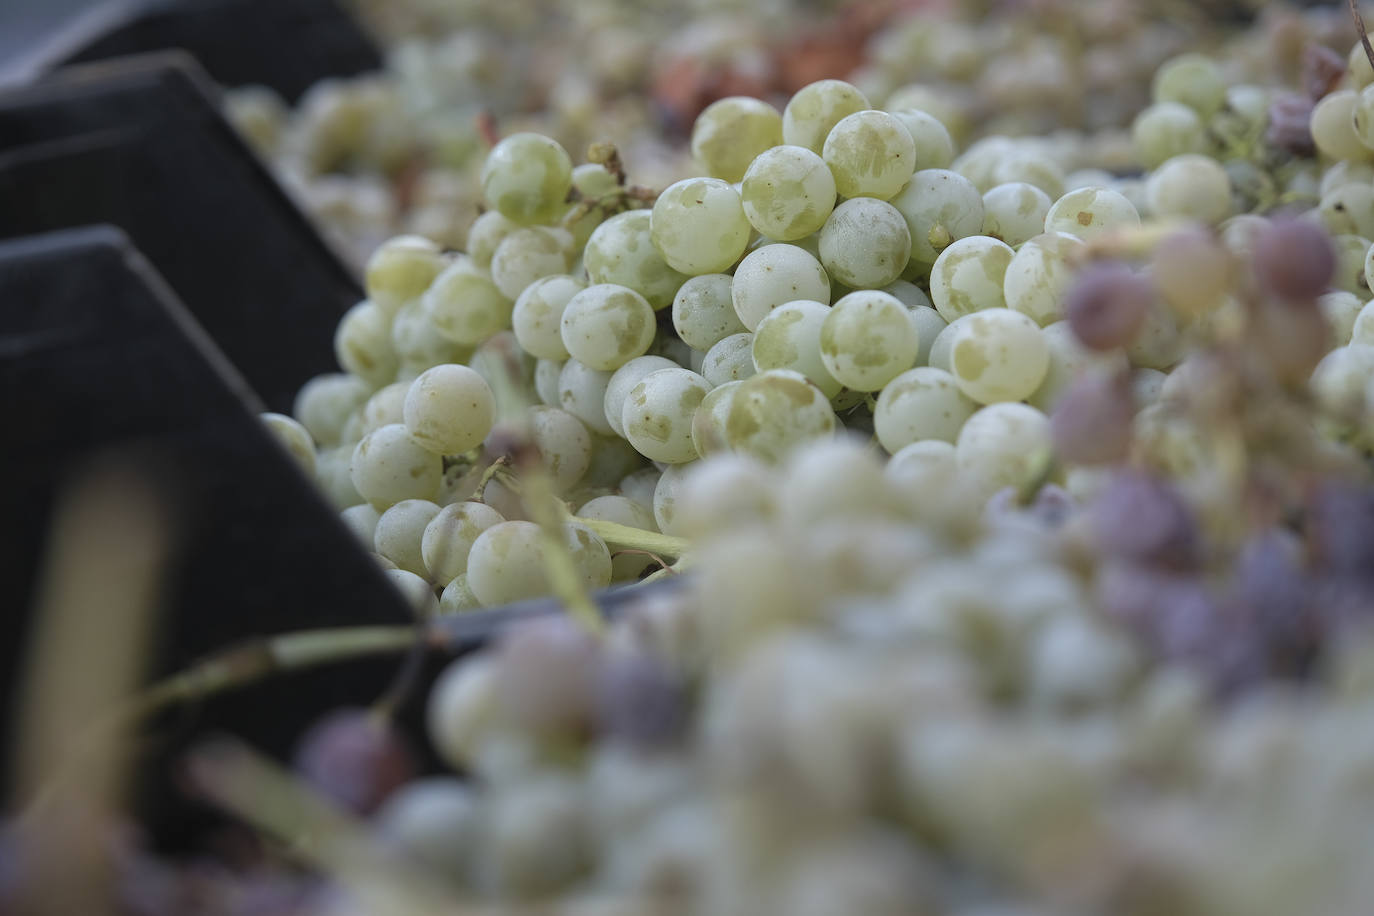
<point>929,325</point>
<point>487,232</point>
<point>1192,187</point>
<point>590,556</point>
<point>401,269</point>
<point>449,535</point>
<point>399,532</point>
<point>1088,212</point>
<point>546,375</point>
<point>1167,129</point>
<point>564,444</point>
<point>939,207</point>
<point>930,138</point>
<point>788,192</point>
<point>774,412</point>
<point>389,465</point>
<point>657,415</point>
<point>1193,271</point>
<point>582,393</point>
<point>293,437</point>
<point>730,360</point>
<point>911,295</point>
<point>978,162</point>
<point>362,344</point>
<point>1107,304</point>
<point>434,822</point>
<point>941,102</point>
<point>1362,332</point>
<point>999,355</point>
<point>921,403</point>
<point>789,337</point>
<point>465,305</point>
<point>620,251</point>
<point>708,423</point>
<point>699,227</point>
<point>462,711</point>
<point>1015,212</point>
<point>1069,358</point>
<point>526,177</point>
<point>324,403</point>
<point>625,567</point>
<point>449,409</point>
<point>605,326</point>
<point>1003,445</point>
<point>1348,210</point>
<point>333,475</point>
<point>730,132</point>
<point>866,340</point>
<point>1032,168</point>
<point>1341,310</point>
<point>361,520</point>
<point>1039,274</point>
<point>943,345</point>
<point>871,154</point>
<point>1294,259</point>
<point>772,275</point>
<point>923,471</point>
<point>354,758</point>
<point>969,275</point>
<point>865,243</point>
<point>417,593</point>
<point>1193,80</point>
<point>704,310</point>
<point>667,489</point>
<point>623,381</point>
<point>1092,420</point>
<point>419,345</point>
<point>507,563</point>
<point>387,405</point>
<point>815,109</point>
<point>1352,251</point>
<point>1333,126</point>
<point>538,313</point>
<point>526,255</point>
<point>1340,380</point>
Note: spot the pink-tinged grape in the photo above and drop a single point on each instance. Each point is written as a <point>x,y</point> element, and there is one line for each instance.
<point>1091,422</point>
<point>640,701</point>
<point>1294,259</point>
<point>1106,306</point>
<point>546,676</point>
<point>1143,519</point>
<point>355,758</point>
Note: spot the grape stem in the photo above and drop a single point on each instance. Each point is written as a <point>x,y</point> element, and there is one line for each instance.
<point>623,537</point>
<point>1359,27</point>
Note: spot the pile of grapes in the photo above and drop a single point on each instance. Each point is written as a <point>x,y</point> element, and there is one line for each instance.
<point>1010,506</point>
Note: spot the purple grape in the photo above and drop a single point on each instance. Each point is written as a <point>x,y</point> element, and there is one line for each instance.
<point>1053,506</point>
<point>640,701</point>
<point>1091,422</point>
<point>1322,69</point>
<point>1142,519</point>
<point>1290,124</point>
<point>547,674</point>
<point>1340,529</point>
<point>1268,580</point>
<point>1294,259</point>
<point>1343,602</point>
<point>355,758</point>
<point>1107,304</point>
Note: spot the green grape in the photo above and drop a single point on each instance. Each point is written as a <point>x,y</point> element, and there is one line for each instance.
<point>605,326</point>
<point>978,163</point>
<point>1159,343</point>
<point>488,231</point>
<point>667,489</point>
<point>389,465</point>
<point>1039,274</point>
<point>462,709</point>
<point>361,520</point>
<point>1015,212</point>
<point>866,340</point>
<point>537,316</point>
<point>324,403</point>
<point>401,269</point>
<point>1340,381</point>
<point>449,409</point>
<point>293,437</point>
<point>708,423</point>
<point>1193,80</point>
<point>911,295</point>
<point>1068,360</point>
<point>657,414</point>
<point>1362,120</point>
<point>362,344</point>
<point>943,344</point>
<point>814,110</point>
<point>564,445</point>
<point>1191,187</point>
<point>466,306</point>
<point>968,276</point>
<point>865,243</point>
<point>922,471</point>
<point>699,227</point>
<point>418,343</point>
<point>1362,331</point>
<point>591,558</point>
<point>837,478</point>
<point>334,476</point>
<point>1352,252</point>
<point>623,381</point>
<point>730,132</point>
<point>593,180</point>
<point>507,563</point>
<point>789,337</point>
<point>938,102</point>
<point>1028,167</point>
<point>787,192</point>
<point>386,406</point>
<point>546,375</point>
<point>526,177</point>
<point>871,154</point>
<point>415,591</point>
<point>1088,212</point>
<point>930,138</point>
<point>526,255</point>
<point>726,491</point>
<point>1003,445</point>
<point>939,207</point>
<point>772,275</point>
<point>1165,130</point>
<point>449,535</point>
<point>1341,310</point>
<point>999,355</point>
<point>640,485</point>
<point>625,567</point>
<point>1339,174</point>
<point>399,531</point>
<point>704,310</point>
<point>1333,126</point>
<point>457,597</point>
<point>929,325</point>
<point>730,360</point>
<point>620,251</point>
<point>921,403</point>
<point>776,411</point>
<point>582,393</point>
